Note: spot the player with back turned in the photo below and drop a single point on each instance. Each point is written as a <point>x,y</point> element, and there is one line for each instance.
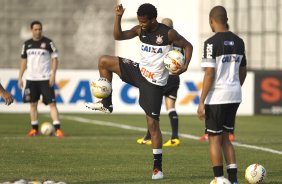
<point>224,62</point>
<point>205,136</point>
<point>149,75</point>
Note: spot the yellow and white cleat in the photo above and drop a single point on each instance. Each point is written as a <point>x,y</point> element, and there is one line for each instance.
<point>144,141</point>
<point>172,143</point>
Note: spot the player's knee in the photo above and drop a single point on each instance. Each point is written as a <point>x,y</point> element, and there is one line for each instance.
<point>52,104</point>
<point>103,61</point>
<point>33,104</point>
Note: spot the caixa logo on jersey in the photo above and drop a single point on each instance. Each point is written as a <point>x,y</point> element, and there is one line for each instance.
<point>231,58</point>
<point>147,48</point>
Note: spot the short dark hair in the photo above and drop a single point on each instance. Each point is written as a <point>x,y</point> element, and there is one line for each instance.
<point>148,10</point>
<point>35,22</point>
<point>219,14</point>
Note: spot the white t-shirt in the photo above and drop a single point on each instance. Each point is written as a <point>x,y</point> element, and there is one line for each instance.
<point>39,54</point>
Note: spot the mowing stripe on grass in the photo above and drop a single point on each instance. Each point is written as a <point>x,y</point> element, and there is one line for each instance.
<point>188,136</point>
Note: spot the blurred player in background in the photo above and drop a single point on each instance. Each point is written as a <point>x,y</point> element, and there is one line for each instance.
<point>205,136</point>
<point>40,60</point>
<point>224,62</point>
<point>149,75</point>
<point>170,93</point>
<point>6,95</point>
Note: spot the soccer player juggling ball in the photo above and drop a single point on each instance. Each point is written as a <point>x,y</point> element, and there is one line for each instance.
<point>149,75</point>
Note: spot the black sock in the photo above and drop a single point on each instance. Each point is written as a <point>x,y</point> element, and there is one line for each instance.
<point>158,161</point>
<point>57,126</point>
<point>107,101</point>
<point>174,124</point>
<point>218,171</point>
<point>35,127</point>
<point>232,174</point>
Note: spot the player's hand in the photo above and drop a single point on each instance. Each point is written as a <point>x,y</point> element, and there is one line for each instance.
<point>119,10</point>
<point>201,111</point>
<point>7,97</point>
<point>179,70</point>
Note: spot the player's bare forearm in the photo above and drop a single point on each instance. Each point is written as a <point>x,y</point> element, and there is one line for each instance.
<point>21,72</point>
<point>54,66</point>
<point>53,72</point>
<point>118,33</point>
<point>188,50</point>
<point>207,83</point>
<point>22,67</point>
<point>117,28</point>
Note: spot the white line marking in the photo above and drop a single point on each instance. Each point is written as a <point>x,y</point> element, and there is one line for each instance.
<point>188,136</point>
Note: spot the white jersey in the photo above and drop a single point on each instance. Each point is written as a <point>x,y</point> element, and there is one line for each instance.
<point>154,46</point>
<point>226,53</point>
<point>39,54</point>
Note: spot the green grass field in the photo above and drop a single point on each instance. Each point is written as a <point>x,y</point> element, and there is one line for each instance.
<point>101,148</point>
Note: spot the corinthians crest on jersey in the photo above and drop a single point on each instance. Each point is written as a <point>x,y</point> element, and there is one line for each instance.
<point>159,39</point>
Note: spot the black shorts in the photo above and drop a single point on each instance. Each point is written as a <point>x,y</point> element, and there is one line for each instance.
<point>34,89</point>
<point>220,117</point>
<point>150,95</point>
<point>172,86</point>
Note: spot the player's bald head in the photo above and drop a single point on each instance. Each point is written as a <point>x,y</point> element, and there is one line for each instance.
<point>219,14</point>
<point>168,22</point>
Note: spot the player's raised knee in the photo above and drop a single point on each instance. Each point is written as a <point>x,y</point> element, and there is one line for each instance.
<point>105,61</point>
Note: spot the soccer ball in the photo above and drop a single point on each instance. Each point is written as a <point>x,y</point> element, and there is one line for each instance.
<point>224,181</point>
<point>101,88</point>
<point>173,59</point>
<point>255,174</point>
<point>47,129</point>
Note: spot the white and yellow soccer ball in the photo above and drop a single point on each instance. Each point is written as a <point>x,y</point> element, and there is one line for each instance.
<point>101,88</point>
<point>47,129</point>
<point>173,60</point>
<point>255,174</point>
<point>223,181</point>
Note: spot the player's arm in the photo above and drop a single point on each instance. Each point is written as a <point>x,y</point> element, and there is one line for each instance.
<point>207,83</point>
<point>21,72</point>
<point>54,66</point>
<point>243,69</point>
<point>118,33</point>
<point>180,41</point>
<point>23,65</point>
<point>6,96</point>
<point>54,63</point>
